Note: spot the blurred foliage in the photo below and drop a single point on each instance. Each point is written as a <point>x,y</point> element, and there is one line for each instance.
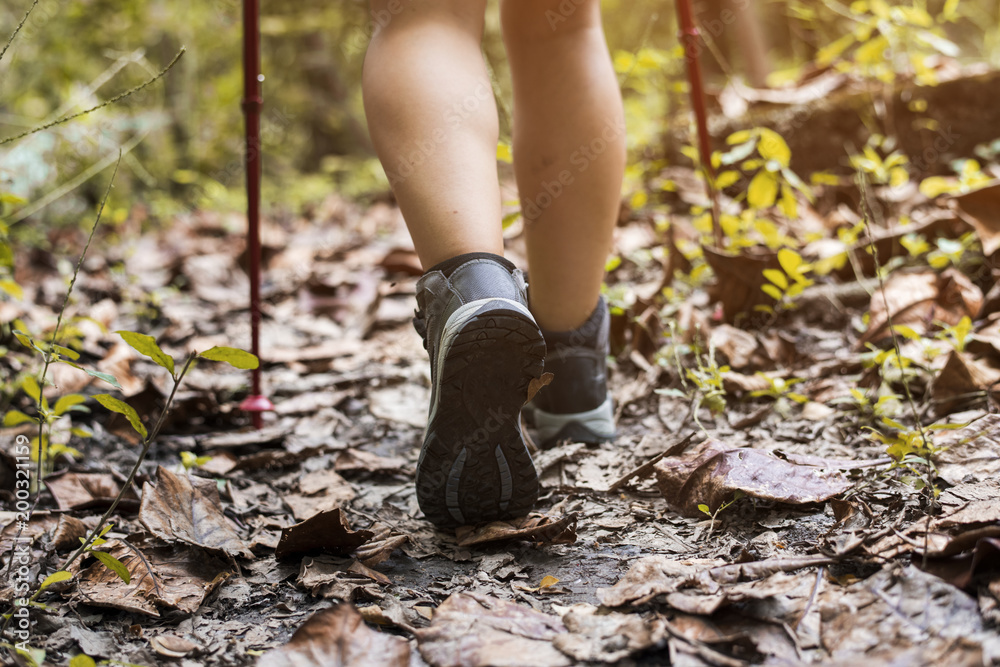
<point>183,136</point>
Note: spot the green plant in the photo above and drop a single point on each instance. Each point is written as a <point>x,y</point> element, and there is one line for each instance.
<point>191,460</point>
<point>769,171</point>
<point>705,509</point>
<point>780,389</point>
<point>970,177</point>
<point>888,170</point>
<point>786,285</point>
<point>707,382</point>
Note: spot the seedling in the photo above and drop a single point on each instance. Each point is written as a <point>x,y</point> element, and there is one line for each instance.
<point>705,509</point>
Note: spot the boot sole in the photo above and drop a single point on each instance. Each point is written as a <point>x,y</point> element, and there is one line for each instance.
<point>474,465</point>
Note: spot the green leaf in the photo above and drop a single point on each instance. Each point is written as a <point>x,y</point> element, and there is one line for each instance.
<point>232,356</point>
<point>113,564</point>
<point>121,407</point>
<point>704,508</point>
<point>82,660</point>
<point>510,219</point>
<point>727,178</point>
<point>31,388</point>
<point>110,379</point>
<point>739,137</point>
<point>737,153</point>
<point>776,277</point>
<point>67,402</point>
<point>146,345</point>
<point>763,190</point>
<point>772,292</point>
<point>55,578</point>
<point>66,352</point>
<point>15,417</point>
<point>12,288</point>
<point>773,147</point>
<point>790,261</point>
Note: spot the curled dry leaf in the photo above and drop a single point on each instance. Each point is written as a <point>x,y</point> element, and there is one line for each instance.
<point>970,453</point>
<point>171,646</point>
<point>961,376</point>
<point>74,490</point>
<point>534,527</point>
<point>327,531</point>
<point>331,577</point>
<point>918,299</point>
<point>739,279</point>
<point>702,586</point>
<point>471,630</point>
<point>981,209</point>
<point>606,637</point>
<point>381,546</point>
<point>175,510</point>
<point>338,637</point>
<point>712,473</point>
<point>168,576</point>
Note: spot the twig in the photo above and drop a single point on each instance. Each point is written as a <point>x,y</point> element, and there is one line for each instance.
<point>20,25</point>
<point>114,99</point>
<point>812,597</point>
<point>646,467</point>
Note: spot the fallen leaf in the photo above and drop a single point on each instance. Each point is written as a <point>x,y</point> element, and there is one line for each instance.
<point>712,473</point>
<point>738,281</point>
<point>534,527</point>
<point>981,209</point>
<point>171,646</point>
<point>594,636</point>
<point>535,385</point>
<point>173,509</point>
<point>919,299</point>
<point>970,453</point>
<point>327,531</point>
<point>330,577</point>
<point>472,630</point>
<point>171,576</point>
<point>380,547</point>
<point>961,378</point>
<point>338,637</point>
<point>72,490</point>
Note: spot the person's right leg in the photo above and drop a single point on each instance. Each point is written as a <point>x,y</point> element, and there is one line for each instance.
<point>433,121</point>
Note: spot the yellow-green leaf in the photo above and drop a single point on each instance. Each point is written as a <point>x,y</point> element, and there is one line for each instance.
<point>82,660</point>
<point>771,291</point>
<point>727,178</point>
<point>113,564</point>
<point>830,52</point>
<point>146,345</point>
<point>12,288</point>
<point>121,407</point>
<point>763,190</point>
<point>231,356</point>
<point>55,578</point>
<point>15,417</point>
<point>31,388</point>
<point>776,277</point>
<point>66,402</point>
<point>504,153</point>
<point>739,137</point>
<point>773,147</point>
<point>790,261</point>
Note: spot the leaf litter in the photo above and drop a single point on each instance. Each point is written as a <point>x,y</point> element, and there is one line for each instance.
<point>809,552</point>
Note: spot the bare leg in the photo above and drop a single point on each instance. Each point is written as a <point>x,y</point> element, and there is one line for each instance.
<point>569,151</point>
<point>434,125</point>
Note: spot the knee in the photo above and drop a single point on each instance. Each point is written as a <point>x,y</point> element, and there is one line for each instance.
<point>537,20</point>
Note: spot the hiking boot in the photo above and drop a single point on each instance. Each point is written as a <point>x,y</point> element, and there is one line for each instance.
<point>485,348</point>
<point>576,405</point>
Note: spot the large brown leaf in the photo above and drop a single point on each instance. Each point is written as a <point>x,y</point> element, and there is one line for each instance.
<point>327,531</point>
<point>85,489</point>
<point>471,630</point>
<point>338,637</point>
<point>920,299</point>
<point>711,474</point>
<point>534,527</point>
<point>981,209</point>
<point>165,576</point>
<point>175,510</point>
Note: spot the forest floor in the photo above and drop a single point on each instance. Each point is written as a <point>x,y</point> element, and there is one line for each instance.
<point>826,555</point>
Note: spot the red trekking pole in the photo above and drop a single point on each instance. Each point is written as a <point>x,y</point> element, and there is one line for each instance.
<point>256,403</point>
<point>689,38</point>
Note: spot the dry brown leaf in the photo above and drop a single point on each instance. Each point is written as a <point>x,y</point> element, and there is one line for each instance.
<point>971,453</point>
<point>351,460</point>
<point>380,547</point>
<point>969,504</point>
<point>961,376</point>
<point>321,491</point>
<point>702,586</point>
<point>536,384</point>
<point>175,510</point>
<point>80,489</point>
<point>329,577</point>
<point>534,527</point>
<point>606,637</point>
<point>739,279</point>
<point>711,473</point>
<point>327,531</point>
<point>171,576</point>
<point>919,299</point>
<point>981,209</point>
<point>738,347</point>
<point>338,637</point>
<point>471,630</point>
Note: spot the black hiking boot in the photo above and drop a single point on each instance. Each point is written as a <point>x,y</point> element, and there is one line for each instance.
<point>485,348</point>
<point>576,405</point>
